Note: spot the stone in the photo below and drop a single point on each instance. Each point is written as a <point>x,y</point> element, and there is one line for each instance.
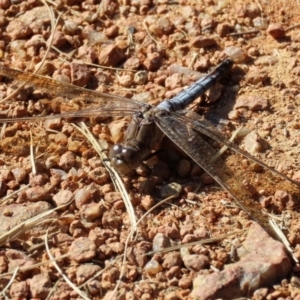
<point>253,103</point>
<point>203,42</point>
<point>153,61</point>
<point>256,76</point>
<point>276,31</point>
<point>14,214</point>
<point>19,290</point>
<point>85,272</point>
<point>62,197</point>
<point>136,255</point>
<point>183,168</point>
<point>264,262</point>
<point>160,241</point>
<point>110,56</point>
<point>254,143</point>
<point>170,189</point>
<point>67,160</point>
<point>153,267</point>
<point>82,250</point>
<point>82,196</point>
<point>17,29</point>
<point>80,74</point>
<point>40,286</point>
<point>172,259</point>
<point>196,262</point>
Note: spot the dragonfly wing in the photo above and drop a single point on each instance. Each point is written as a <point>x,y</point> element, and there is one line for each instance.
<point>205,127</point>
<point>106,104</point>
<point>202,153</point>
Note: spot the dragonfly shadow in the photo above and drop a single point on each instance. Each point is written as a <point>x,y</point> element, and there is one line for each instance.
<point>219,110</point>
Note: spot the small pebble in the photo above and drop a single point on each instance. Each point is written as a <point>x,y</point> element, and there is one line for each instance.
<point>111,55</point>
<point>126,80</point>
<point>254,143</point>
<point>183,168</point>
<point>276,31</point>
<point>233,115</point>
<point>170,189</point>
<point>140,77</point>
<point>153,267</point>
<point>203,42</point>
<point>160,241</point>
<point>253,103</point>
<point>236,53</point>
<point>206,179</point>
<point>132,63</point>
<point>67,160</point>
<point>147,202</point>
<point>260,23</point>
<point>196,262</point>
<point>82,250</point>
<point>153,62</point>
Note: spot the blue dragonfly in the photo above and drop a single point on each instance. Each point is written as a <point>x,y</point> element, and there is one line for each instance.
<point>149,124</point>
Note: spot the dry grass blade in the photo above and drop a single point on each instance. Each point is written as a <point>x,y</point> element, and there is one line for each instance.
<point>67,57</point>
<point>283,239</point>
<point>111,263</point>
<point>51,2</point>
<point>2,293</point>
<point>24,226</point>
<point>292,27</point>
<point>32,160</point>
<point>129,237</point>
<point>35,247</point>
<point>150,35</point>
<point>116,179</point>
<point>201,242</point>
<point>2,132</point>
<point>67,280</point>
<point>118,183</point>
<point>9,196</point>
<point>31,267</point>
<point>234,135</point>
<point>193,60</point>
<point>52,290</point>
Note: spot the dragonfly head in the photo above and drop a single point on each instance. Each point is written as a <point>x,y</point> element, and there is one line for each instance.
<point>124,159</point>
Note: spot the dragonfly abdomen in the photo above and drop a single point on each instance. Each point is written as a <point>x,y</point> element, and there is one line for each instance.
<point>197,89</point>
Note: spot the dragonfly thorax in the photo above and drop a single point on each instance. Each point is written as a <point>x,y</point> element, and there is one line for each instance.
<point>124,159</point>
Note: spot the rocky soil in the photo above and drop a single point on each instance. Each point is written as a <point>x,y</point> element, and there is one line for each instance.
<point>65,230</point>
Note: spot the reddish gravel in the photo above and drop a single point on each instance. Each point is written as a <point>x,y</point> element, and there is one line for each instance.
<point>149,50</point>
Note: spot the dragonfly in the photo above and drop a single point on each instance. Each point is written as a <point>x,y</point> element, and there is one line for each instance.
<point>149,124</point>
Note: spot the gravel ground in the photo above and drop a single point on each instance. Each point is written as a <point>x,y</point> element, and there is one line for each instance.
<point>61,203</point>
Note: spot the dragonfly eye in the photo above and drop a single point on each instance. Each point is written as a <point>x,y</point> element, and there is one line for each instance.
<point>122,159</point>
<point>129,155</point>
<point>116,150</point>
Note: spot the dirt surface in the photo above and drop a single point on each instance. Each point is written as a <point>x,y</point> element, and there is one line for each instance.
<point>149,51</point>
